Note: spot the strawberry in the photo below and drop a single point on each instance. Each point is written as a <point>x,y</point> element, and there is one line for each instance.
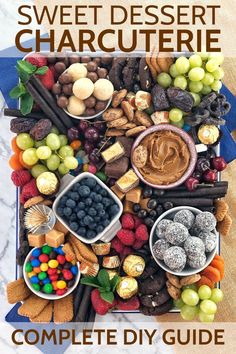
<point>126,237</point>
<point>37,59</point>
<point>100,306</point>
<point>128,305</point>
<point>127,221</point>
<point>47,79</point>
<point>141,233</point>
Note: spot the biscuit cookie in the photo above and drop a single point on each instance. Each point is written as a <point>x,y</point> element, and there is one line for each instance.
<point>173,279</point>
<point>128,110</point>
<point>140,156</point>
<point>127,126</point>
<point>17,291</point>
<point>174,292</point>
<point>33,201</point>
<point>32,306</point>
<point>114,132</point>
<point>117,122</point>
<point>143,118</point>
<point>191,279</point>
<point>221,209</point>
<point>45,316</point>
<point>118,97</point>
<point>224,226</point>
<point>63,309</point>
<point>135,131</point>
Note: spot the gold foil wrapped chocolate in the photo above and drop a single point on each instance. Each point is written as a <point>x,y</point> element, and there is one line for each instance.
<point>112,273</point>
<point>111,262</point>
<point>101,249</point>
<point>208,134</point>
<point>47,183</point>
<point>133,265</point>
<point>127,287</point>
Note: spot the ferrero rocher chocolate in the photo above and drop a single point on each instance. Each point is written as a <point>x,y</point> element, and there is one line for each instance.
<point>208,134</point>
<point>101,249</point>
<point>47,183</point>
<point>127,287</point>
<point>111,262</point>
<point>133,265</point>
<point>112,273</point>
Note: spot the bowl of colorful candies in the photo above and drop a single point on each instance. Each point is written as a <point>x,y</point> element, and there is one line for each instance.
<point>49,274</point>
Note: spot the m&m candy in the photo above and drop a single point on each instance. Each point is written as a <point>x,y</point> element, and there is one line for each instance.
<point>42,275</point>
<point>31,274</point>
<point>44,258</point>
<point>36,287</point>
<point>48,288</point>
<point>37,269</point>
<point>34,279</point>
<point>44,267</point>
<point>53,263</point>
<point>60,292</point>
<point>35,263</point>
<point>28,267</point>
<point>36,252</point>
<point>74,270</point>
<point>61,284</point>
<point>67,274</point>
<point>46,249</point>
<point>61,259</point>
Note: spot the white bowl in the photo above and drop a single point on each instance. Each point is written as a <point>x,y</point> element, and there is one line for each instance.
<point>41,294</point>
<point>169,214</point>
<point>109,232</point>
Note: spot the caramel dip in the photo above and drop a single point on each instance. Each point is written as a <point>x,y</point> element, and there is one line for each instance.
<point>162,157</point>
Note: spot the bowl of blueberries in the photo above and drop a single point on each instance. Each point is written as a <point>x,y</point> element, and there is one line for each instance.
<point>89,209</point>
<point>184,240</point>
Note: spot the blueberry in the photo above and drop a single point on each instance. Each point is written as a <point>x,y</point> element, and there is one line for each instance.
<point>97,189</point>
<point>70,203</point>
<point>106,202</point>
<point>105,222</point>
<point>153,214</point>
<point>149,222</point>
<point>88,201</point>
<point>101,213</point>
<point>142,213</point>
<point>67,211</point>
<point>75,196</point>
<point>73,217</point>
<point>74,226</point>
<point>63,200</point>
<point>114,209</point>
<point>98,206</point>
<point>81,231</point>
<point>97,218</point>
<point>87,220</point>
<point>60,211</point>
<point>81,205</point>
<point>147,192</point>
<point>98,198</point>
<point>136,207</point>
<point>152,203</point>
<point>82,223</point>
<point>84,191</point>
<point>91,234</point>
<point>93,195</point>
<point>159,210</point>
<point>81,214</point>
<point>158,192</point>
<point>103,193</point>
<point>92,212</point>
<point>77,186</point>
<point>100,229</point>
<point>92,226</point>
<point>91,182</point>
<point>168,205</point>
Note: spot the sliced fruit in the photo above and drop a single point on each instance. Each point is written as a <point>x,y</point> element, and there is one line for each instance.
<point>212,273</point>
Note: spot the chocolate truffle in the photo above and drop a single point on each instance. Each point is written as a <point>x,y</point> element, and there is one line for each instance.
<point>76,106</point>
<point>103,89</point>
<point>205,221</point>
<point>160,247</point>
<point>175,258</point>
<point>83,88</point>
<point>176,233</point>
<point>77,71</point>
<point>194,246</point>
<point>162,226</point>
<point>185,217</point>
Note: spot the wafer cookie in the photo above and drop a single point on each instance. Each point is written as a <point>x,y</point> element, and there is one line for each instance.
<point>84,250</point>
<point>68,250</point>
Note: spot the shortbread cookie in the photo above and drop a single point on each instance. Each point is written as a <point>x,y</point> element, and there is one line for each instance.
<point>45,316</point>
<point>63,309</point>
<point>135,131</point>
<point>32,306</point>
<point>191,279</point>
<point>17,291</point>
<point>33,201</point>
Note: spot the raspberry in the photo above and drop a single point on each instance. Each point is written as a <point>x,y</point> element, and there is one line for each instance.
<point>126,237</point>
<point>47,79</point>
<point>37,59</point>
<point>141,233</point>
<point>138,244</point>
<point>117,245</point>
<point>128,305</point>
<point>137,221</point>
<point>127,221</point>
<point>20,177</point>
<point>29,190</point>
<point>127,251</point>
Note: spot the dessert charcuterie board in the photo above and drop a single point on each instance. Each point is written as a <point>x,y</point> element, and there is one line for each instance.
<point>117,165</point>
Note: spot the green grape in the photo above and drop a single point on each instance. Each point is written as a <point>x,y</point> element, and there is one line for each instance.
<point>212,65</point>
<point>195,61</point>
<point>40,143</point>
<point>197,98</point>
<point>206,89</point>
<point>178,124</point>
<point>218,74</point>
<point>53,141</point>
<point>164,80</point>
<point>175,114</point>
<point>190,286</point>
<point>36,170</point>
<point>66,151</point>
<point>188,313</point>
<point>195,87</point>
<point>44,152</point>
<point>204,292</point>
<point>217,85</point>
<point>182,65</point>
<point>208,79</point>
<point>178,303</point>
<point>208,306</point>
<point>63,139</point>
<point>63,170</point>
<point>180,82</point>
<point>24,141</point>
<point>203,317</point>
<point>54,130</point>
<point>30,157</point>
<point>216,295</point>
<point>196,74</point>
<point>190,297</point>
<point>71,162</point>
<point>203,55</point>
<point>53,162</point>
<point>218,57</point>
<point>173,71</point>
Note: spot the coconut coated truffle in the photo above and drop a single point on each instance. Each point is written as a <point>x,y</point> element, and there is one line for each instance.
<point>185,217</point>
<point>76,106</point>
<point>209,239</point>
<point>197,261</point>
<point>176,233</point>
<point>77,71</point>
<point>103,89</point>
<point>83,88</point>
<point>160,247</point>
<point>194,246</point>
<point>175,258</point>
<point>205,221</point>
<point>162,226</point>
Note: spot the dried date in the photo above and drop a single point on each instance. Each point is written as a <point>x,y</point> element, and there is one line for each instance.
<point>159,99</point>
<point>22,125</point>
<point>180,99</point>
<point>41,129</point>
